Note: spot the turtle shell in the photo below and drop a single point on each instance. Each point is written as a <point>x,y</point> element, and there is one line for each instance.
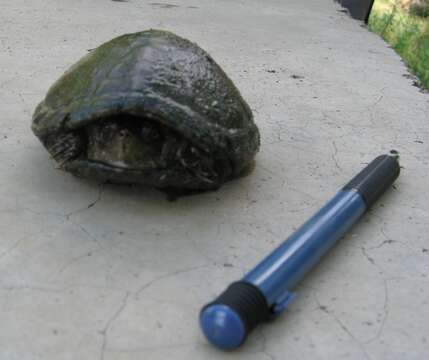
<point>150,108</point>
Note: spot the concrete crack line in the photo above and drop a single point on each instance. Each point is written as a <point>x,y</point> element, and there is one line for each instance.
<point>384,242</point>
<point>88,253</point>
<point>370,259</point>
<point>334,155</point>
<point>31,288</point>
<point>168,275</point>
<point>342,326</point>
<point>388,240</point>
<point>264,350</point>
<point>71,262</point>
<point>151,348</point>
<point>62,215</point>
<point>378,100</point>
<point>110,322</point>
<point>57,289</point>
<point>90,205</point>
<point>15,245</point>
<point>40,213</point>
<point>386,313</point>
<point>87,233</point>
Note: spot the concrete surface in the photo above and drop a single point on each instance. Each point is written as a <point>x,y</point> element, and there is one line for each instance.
<point>117,273</point>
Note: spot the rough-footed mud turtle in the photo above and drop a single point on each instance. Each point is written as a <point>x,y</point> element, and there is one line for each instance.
<point>150,108</point>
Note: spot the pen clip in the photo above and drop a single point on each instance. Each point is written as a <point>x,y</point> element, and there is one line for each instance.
<point>282,302</point>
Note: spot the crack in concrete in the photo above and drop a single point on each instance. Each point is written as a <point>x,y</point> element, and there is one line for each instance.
<point>15,245</point>
<point>90,205</point>
<point>152,348</point>
<point>87,253</point>
<point>342,326</point>
<point>376,102</point>
<point>73,261</point>
<point>62,215</point>
<point>384,242</point>
<point>31,287</point>
<point>68,218</point>
<point>369,258</point>
<point>110,322</point>
<point>385,311</point>
<point>124,302</point>
<point>165,276</point>
<point>264,346</point>
<point>39,213</point>
<point>388,240</point>
<point>41,288</point>
<point>334,155</point>
<point>86,232</point>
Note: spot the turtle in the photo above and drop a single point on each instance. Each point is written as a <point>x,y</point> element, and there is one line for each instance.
<point>148,108</point>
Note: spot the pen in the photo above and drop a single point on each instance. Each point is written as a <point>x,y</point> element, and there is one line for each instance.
<point>266,290</point>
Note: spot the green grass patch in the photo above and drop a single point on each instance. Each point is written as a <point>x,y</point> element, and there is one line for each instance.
<point>408,34</point>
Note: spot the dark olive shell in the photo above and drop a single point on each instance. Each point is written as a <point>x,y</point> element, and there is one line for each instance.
<point>149,108</point>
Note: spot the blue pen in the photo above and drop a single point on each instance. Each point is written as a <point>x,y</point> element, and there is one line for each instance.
<point>266,290</point>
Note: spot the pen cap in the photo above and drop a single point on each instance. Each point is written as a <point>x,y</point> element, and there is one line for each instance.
<point>228,320</point>
<point>376,178</point>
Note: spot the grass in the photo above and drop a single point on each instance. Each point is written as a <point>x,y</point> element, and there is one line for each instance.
<point>407,34</point>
